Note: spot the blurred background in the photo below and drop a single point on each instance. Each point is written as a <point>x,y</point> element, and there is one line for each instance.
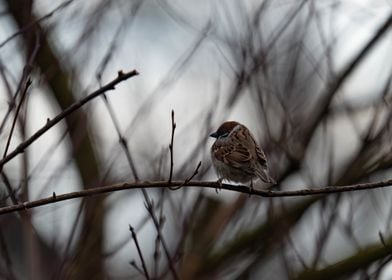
<point>311,79</point>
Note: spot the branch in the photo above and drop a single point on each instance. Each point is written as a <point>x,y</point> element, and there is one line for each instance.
<point>187,180</point>
<point>147,199</point>
<point>75,106</point>
<point>343,269</point>
<point>345,73</point>
<point>205,184</point>
<point>171,146</point>
<point>31,24</point>
<point>24,93</point>
<point>157,225</point>
<point>139,251</point>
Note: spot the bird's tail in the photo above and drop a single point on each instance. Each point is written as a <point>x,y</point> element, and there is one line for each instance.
<point>264,176</point>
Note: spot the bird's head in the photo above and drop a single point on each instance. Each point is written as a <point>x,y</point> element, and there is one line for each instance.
<point>224,130</point>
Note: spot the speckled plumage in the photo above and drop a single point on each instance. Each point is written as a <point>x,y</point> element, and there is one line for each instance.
<point>236,155</point>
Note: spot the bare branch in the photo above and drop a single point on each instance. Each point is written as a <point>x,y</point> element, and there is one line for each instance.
<point>187,180</point>
<point>24,93</point>
<point>205,184</point>
<point>75,106</point>
<point>30,25</point>
<point>135,266</point>
<point>345,268</point>
<point>171,147</point>
<point>150,210</point>
<point>147,198</point>
<point>139,251</point>
<point>121,138</point>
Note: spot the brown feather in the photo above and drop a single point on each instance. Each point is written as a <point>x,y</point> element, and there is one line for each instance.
<point>238,153</point>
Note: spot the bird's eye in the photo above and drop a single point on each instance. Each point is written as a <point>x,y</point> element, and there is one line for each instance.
<point>224,135</point>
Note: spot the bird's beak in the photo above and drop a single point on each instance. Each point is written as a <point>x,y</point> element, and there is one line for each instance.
<point>214,135</point>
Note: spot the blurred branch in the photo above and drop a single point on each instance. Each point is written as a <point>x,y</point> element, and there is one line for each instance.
<point>75,106</point>
<point>267,235</point>
<point>122,140</point>
<point>207,232</point>
<point>171,146</point>
<point>147,199</point>
<point>150,209</point>
<point>24,93</point>
<point>50,63</point>
<point>24,81</point>
<point>8,264</point>
<point>29,26</point>
<point>359,260</point>
<point>139,251</point>
<point>322,110</point>
<point>205,184</point>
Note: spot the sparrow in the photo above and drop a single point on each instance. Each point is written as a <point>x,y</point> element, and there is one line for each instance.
<point>237,157</point>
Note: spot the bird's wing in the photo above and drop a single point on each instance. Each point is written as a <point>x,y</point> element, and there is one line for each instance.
<point>261,156</point>
<point>234,154</point>
<point>262,170</point>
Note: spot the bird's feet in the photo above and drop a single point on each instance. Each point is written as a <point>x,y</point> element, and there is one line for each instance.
<point>220,185</point>
<point>251,189</point>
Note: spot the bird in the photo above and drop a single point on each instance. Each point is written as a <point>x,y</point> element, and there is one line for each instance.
<point>237,157</point>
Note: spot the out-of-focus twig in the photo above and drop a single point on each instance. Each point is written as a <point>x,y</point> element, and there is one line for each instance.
<point>321,111</point>
<point>171,146</point>
<point>147,199</point>
<point>139,251</point>
<point>6,258</point>
<point>30,25</point>
<point>350,265</point>
<point>24,93</point>
<point>157,225</point>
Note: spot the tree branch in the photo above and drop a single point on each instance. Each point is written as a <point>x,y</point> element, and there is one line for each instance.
<point>139,251</point>
<point>24,93</point>
<point>171,146</point>
<point>343,269</point>
<point>205,184</point>
<point>75,106</point>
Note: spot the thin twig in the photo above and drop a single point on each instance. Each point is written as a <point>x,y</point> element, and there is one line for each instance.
<point>121,138</point>
<point>204,184</point>
<point>147,199</point>
<point>156,256</point>
<point>6,257</point>
<point>71,237</point>
<point>75,106</point>
<point>321,110</point>
<point>171,147</point>
<point>22,98</point>
<point>139,251</point>
<point>135,266</point>
<point>24,80</point>
<point>187,180</point>
<point>10,190</point>
<point>150,210</point>
<point>35,22</point>
<point>382,239</point>
<point>157,253</point>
